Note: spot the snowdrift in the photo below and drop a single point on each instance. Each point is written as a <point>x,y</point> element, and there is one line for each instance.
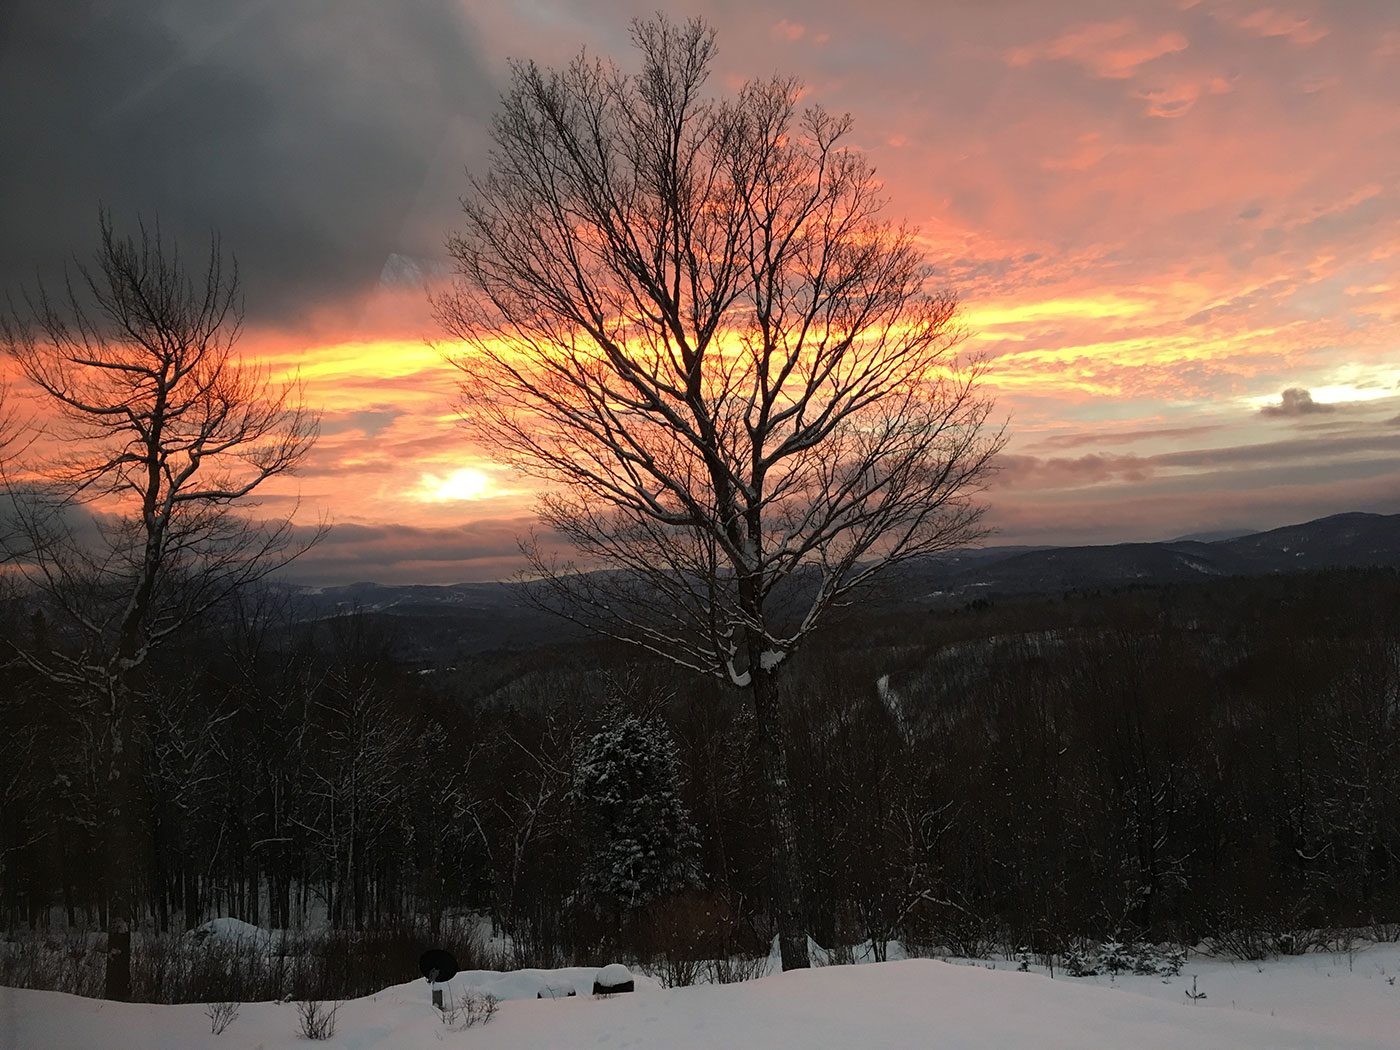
<point>915,1003</point>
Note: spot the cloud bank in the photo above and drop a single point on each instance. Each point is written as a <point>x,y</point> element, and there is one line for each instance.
<point>319,136</point>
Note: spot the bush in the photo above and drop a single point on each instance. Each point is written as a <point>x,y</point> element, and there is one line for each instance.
<point>316,1018</point>
<point>1082,960</point>
<point>72,962</point>
<point>476,1007</point>
<point>936,929</point>
<point>1115,956</point>
<point>1252,944</point>
<point>221,1015</point>
<point>673,972</point>
<point>1385,932</point>
<point>736,968</point>
<point>1159,960</point>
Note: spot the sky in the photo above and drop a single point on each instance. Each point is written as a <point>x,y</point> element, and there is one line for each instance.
<point>1173,227</point>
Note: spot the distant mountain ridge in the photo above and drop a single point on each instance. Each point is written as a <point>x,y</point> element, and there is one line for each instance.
<point>445,622</point>
<point>1213,535</point>
<point>1342,540</point>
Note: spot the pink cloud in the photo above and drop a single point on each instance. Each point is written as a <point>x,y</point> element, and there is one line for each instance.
<point>1268,22</point>
<point>1175,97</point>
<point>1112,50</point>
<point>786,30</point>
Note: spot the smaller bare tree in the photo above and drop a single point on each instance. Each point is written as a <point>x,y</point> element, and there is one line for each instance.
<point>140,524</point>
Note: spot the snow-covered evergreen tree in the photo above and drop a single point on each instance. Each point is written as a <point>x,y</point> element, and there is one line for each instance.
<point>625,794</point>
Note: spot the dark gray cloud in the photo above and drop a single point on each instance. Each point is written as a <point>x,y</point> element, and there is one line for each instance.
<point>1062,471</point>
<point>371,421</point>
<point>1122,437</point>
<point>399,554</point>
<point>1295,402</point>
<point>1324,454</point>
<point>319,136</point>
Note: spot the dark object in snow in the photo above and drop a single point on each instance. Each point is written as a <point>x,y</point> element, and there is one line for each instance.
<point>554,992</point>
<point>612,979</point>
<point>437,965</point>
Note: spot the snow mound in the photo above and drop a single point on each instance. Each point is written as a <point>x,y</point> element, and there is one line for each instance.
<point>614,974</point>
<point>535,984</point>
<point>230,931</point>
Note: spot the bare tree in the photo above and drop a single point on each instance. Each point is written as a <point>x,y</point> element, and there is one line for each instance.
<point>359,789</point>
<point>687,316</point>
<point>8,426</point>
<point>16,436</point>
<point>140,525</point>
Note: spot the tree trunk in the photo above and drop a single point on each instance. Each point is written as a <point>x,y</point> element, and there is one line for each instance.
<point>785,873</point>
<point>119,856</point>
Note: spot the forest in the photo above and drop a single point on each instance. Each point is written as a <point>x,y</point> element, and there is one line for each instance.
<point>1154,765</point>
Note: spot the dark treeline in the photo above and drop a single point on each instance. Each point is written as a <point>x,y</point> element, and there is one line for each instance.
<point>1221,760</point>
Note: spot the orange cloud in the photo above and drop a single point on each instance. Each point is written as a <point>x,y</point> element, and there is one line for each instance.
<point>1113,50</point>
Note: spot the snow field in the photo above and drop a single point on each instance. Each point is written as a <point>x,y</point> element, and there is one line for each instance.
<point>1311,1002</point>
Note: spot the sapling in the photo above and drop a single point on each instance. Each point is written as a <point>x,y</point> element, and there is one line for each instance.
<point>1194,995</point>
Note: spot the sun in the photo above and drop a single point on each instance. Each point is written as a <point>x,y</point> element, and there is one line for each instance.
<point>459,485</point>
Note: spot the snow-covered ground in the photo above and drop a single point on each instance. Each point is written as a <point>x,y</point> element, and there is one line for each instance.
<point>1311,1002</point>
<point>1352,994</point>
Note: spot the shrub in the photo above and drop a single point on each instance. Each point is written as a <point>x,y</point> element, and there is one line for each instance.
<point>736,968</point>
<point>1081,960</point>
<point>1115,956</point>
<point>673,972</point>
<point>221,1015</point>
<point>317,1018</point>
<point>474,1008</point>
<point>1084,959</point>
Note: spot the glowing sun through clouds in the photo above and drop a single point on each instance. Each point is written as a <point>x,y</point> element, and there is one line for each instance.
<point>464,484</point>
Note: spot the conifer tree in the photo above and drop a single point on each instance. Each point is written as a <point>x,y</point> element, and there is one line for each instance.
<point>625,790</point>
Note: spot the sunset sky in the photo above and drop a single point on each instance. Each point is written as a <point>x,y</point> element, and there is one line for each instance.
<point>1174,228</point>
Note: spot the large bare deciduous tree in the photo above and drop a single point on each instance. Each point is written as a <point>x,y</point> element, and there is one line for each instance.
<point>141,522</point>
<point>687,316</point>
